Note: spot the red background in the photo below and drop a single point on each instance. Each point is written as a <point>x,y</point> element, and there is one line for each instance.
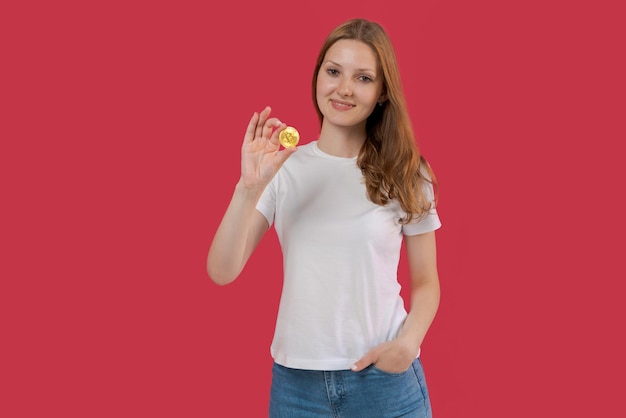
<point>120,129</point>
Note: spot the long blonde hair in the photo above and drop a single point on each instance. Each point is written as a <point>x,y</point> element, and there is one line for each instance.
<point>390,160</point>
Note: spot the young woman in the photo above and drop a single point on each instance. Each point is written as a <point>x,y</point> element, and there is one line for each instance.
<point>342,206</point>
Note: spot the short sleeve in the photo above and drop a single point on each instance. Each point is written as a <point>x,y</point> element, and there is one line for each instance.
<point>427,223</point>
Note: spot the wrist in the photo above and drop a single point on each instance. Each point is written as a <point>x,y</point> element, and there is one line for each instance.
<point>409,343</point>
<point>253,190</point>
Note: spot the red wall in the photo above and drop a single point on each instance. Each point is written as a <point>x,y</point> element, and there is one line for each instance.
<point>121,128</point>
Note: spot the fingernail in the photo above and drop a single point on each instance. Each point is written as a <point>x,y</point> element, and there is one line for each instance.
<point>353,367</point>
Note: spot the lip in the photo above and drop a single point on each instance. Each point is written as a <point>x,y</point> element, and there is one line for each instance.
<point>341,105</point>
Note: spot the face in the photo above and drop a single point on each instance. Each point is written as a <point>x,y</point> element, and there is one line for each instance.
<point>349,84</point>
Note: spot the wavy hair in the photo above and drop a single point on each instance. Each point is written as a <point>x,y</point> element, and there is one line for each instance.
<point>390,160</point>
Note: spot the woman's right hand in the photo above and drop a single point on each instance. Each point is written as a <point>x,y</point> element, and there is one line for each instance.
<point>261,156</point>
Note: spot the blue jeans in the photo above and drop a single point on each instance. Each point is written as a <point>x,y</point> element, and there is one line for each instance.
<point>370,393</point>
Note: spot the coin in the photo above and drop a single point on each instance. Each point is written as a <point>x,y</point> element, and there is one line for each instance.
<point>289,137</point>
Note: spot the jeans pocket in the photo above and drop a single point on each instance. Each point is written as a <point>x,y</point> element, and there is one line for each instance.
<point>375,369</point>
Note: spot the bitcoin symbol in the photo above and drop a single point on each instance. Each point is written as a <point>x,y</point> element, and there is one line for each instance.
<point>289,137</point>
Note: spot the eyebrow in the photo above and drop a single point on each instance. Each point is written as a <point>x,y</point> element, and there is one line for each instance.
<point>358,69</point>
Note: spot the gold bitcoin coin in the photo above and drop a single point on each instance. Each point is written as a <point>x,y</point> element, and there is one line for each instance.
<point>289,137</point>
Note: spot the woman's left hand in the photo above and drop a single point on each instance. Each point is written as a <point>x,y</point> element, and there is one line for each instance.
<point>393,356</point>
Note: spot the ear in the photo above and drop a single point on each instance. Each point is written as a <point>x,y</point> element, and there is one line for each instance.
<point>382,99</point>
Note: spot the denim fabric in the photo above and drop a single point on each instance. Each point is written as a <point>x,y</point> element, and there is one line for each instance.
<point>370,393</point>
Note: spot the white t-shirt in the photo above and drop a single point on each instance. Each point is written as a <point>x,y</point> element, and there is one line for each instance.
<point>341,295</point>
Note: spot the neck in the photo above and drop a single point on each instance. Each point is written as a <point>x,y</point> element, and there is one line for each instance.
<point>341,142</point>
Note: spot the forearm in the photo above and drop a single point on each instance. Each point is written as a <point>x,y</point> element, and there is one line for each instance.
<point>231,244</point>
<point>424,305</point>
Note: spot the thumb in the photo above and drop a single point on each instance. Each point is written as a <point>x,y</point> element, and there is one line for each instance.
<point>363,362</point>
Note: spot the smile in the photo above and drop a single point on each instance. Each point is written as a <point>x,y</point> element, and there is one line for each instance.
<point>341,105</point>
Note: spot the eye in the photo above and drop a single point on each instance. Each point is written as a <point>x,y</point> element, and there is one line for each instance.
<point>332,71</point>
<point>365,79</point>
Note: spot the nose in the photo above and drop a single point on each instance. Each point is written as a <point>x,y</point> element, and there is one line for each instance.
<point>345,87</point>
